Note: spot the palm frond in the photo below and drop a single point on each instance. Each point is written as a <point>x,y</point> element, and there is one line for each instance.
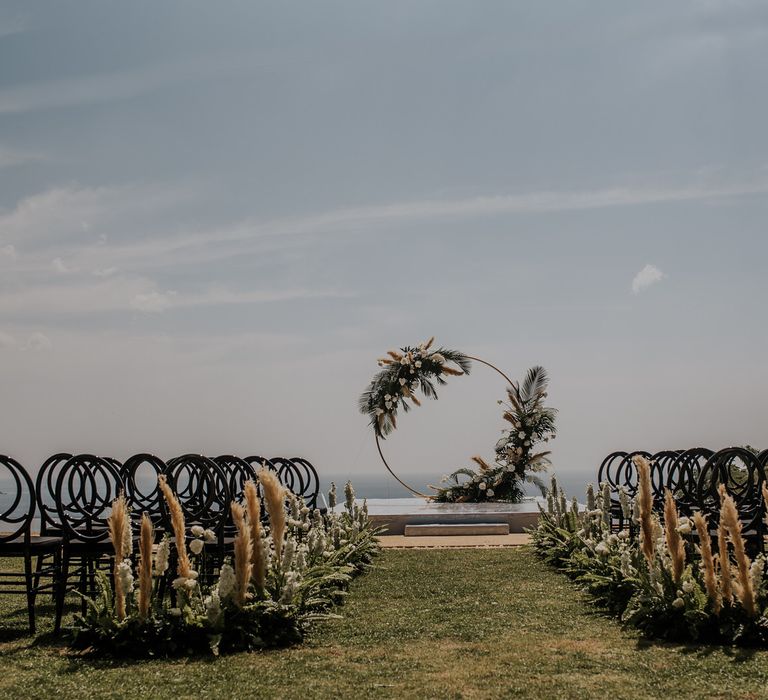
<point>534,384</point>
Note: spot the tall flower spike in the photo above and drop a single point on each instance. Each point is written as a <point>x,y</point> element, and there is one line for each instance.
<point>729,515</point>
<point>146,541</point>
<point>117,524</point>
<point>243,552</point>
<point>645,507</point>
<point>674,540</point>
<point>428,344</point>
<point>183,566</point>
<point>274,496</point>
<point>707,562</point>
<point>723,559</point>
<point>253,506</point>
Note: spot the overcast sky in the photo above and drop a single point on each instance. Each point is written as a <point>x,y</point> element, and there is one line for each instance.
<point>215,216</point>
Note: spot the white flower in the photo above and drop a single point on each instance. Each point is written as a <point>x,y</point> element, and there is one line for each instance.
<point>179,582</point>
<point>613,539</point>
<point>521,435</point>
<point>209,536</point>
<point>687,586</point>
<point>388,405</point>
<point>437,357</point>
<point>684,528</point>
<point>489,493</point>
<point>601,549</point>
<point>418,363</point>
<point>197,530</point>
<point>402,381</point>
<point>226,580</point>
<point>379,411</point>
<point>193,574</point>
<point>482,486</point>
<point>125,574</point>
<point>213,607</point>
<point>161,557</point>
<point>678,603</point>
<point>174,612</point>
<point>190,584</point>
<point>196,546</point>
<point>387,397</point>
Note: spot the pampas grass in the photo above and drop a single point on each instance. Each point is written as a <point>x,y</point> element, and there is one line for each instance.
<point>253,508</point>
<point>707,562</point>
<point>146,541</point>
<point>674,540</point>
<point>274,496</point>
<point>645,507</point>
<point>726,584</point>
<point>729,517</point>
<point>243,553</point>
<point>117,522</point>
<point>184,567</point>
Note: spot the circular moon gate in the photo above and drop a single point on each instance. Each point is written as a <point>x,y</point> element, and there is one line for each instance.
<point>378,442</point>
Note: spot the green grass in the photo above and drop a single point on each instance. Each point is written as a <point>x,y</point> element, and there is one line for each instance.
<point>438,624</point>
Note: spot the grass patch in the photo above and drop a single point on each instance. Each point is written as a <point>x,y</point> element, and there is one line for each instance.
<point>439,624</point>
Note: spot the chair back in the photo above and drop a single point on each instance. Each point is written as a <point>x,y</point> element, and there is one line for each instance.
<point>17,500</point>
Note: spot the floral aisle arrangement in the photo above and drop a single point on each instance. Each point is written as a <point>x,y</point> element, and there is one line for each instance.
<point>282,577</point>
<point>675,581</point>
<point>404,373</point>
<point>518,457</point>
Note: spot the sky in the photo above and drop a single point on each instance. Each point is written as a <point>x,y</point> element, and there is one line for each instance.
<point>214,217</point>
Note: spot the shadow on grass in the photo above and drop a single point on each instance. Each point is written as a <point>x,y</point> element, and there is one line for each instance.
<point>701,651</point>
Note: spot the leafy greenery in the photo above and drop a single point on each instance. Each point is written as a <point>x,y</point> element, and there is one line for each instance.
<point>480,623</point>
<point>517,457</point>
<point>645,594</point>
<point>404,373</point>
<point>303,581</point>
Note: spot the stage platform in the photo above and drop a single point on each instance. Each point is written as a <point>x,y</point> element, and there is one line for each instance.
<point>396,513</point>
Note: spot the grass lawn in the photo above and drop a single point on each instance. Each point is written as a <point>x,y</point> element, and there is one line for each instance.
<point>441,623</point>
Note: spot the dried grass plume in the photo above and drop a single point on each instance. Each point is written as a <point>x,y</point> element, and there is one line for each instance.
<point>707,562</point>
<point>274,496</point>
<point>729,517</point>
<point>645,507</point>
<point>674,540</point>
<point>146,542</point>
<point>243,552</point>
<point>184,567</point>
<point>253,508</point>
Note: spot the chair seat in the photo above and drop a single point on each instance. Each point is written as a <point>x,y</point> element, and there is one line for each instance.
<point>37,544</point>
<point>77,546</point>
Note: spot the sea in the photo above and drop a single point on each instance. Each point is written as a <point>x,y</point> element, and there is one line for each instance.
<point>366,485</point>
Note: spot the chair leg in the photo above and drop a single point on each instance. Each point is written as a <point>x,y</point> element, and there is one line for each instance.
<point>62,576</point>
<point>29,577</point>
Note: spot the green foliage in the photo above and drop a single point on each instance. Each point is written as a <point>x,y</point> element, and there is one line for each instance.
<point>517,457</point>
<point>612,569</point>
<point>404,373</point>
<point>321,554</point>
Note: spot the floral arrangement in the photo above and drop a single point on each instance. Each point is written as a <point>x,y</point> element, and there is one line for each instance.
<point>404,372</point>
<point>665,580</point>
<point>517,457</point>
<point>282,577</point>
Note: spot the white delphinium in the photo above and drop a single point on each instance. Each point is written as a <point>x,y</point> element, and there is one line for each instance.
<point>606,504</point>
<point>349,496</point>
<point>332,497</point>
<point>590,497</point>
<point>678,603</point>
<point>684,526</point>
<point>626,508</point>
<point>291,586</point>
<point>687,586</point>
<point>197,530</point>
<point>300,560</point>
<point>196,546</point>
<point>294,506</point>
<point>626,563</point>
<point>226,581</point>
<point>213,609</point>
<point>317,542</point>
<point>550,504</point>
<point>162,555</point>
<point>125,574</point>
<point>756,572</point>
<point>289,550</point>
<point>602,549</point>
<point>128,535</point>
<point>209,536</point>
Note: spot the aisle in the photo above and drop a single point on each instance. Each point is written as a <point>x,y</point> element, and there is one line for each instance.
<point>479,623</point>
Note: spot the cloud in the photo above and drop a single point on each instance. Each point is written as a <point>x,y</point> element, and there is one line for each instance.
<point>10,157</point>
<point>58,265</point>
<point>38,342</point>
<point>120,85</point>
<point>153,302</point>
<point>8,252</point>
<point>105,272</point>
<point>648,276</point>
<point>12,25</point>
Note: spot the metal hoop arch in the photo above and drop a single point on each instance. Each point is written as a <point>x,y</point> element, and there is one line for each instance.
<point>378,442</point>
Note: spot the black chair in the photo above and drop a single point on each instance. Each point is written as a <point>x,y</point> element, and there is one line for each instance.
<point>17,511</point>
<point>310,482</point>
<point>142,491</point>
<point>86,486</point>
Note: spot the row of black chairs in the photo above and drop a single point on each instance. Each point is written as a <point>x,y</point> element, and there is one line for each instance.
<point>694,477</point>
<point>71,498</point>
